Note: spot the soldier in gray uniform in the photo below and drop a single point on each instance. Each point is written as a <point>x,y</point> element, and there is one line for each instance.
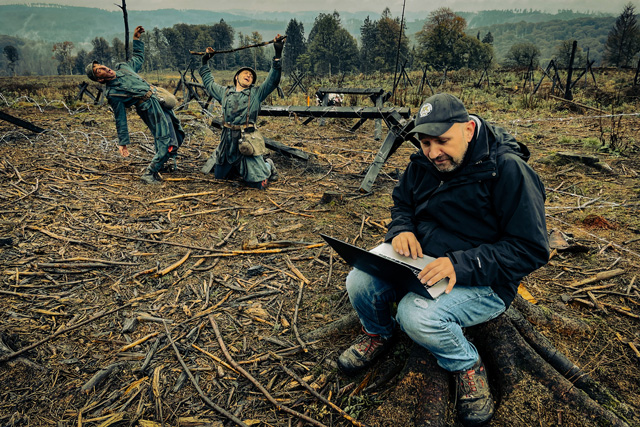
<point>125,88</point>
<point>240,108</point>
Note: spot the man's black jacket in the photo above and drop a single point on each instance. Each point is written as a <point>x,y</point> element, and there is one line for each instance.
<point>487,216</point>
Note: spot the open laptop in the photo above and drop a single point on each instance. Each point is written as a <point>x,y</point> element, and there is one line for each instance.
<point>384,262</point>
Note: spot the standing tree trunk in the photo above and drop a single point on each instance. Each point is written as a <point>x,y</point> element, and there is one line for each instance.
<point>126,29</point>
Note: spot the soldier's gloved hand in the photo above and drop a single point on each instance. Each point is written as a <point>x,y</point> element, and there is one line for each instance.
<point>278,45</point>
<point>208,55</point>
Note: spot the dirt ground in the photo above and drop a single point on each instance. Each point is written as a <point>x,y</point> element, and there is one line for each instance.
<point>138,267</point>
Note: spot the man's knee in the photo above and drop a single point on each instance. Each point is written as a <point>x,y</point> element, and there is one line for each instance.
<point>418,315</point>
<point>358,282</point>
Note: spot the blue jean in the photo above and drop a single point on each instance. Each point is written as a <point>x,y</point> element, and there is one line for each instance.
<point>434,324</point>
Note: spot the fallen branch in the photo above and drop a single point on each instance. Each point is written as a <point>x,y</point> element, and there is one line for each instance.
<point>211,211</point>
<point>296,271</point>
<point>23,295</point>
<point>60,332</point>
<point>288,211</point>
<point>182,196</point>
<point>248,376</point>
<point>600,276</point>
<point>611,306</point>
<point>58,237</point>
<point>138,342</point>
<point>26,195</point>
<point>100,376</point>
<point>321,397</point>
<point>174,266</point>
<point>197,387</point>
<point>295,319</point>
<point>578,104</point>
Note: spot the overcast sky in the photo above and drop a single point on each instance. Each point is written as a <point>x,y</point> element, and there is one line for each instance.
<point>611,6</point>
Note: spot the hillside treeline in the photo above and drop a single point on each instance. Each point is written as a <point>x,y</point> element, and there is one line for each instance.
<point>445,41</point>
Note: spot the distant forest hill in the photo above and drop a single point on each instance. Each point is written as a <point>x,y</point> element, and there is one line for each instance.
<point>82,24</point>
<point>591,34</point>
<point>22,25</point>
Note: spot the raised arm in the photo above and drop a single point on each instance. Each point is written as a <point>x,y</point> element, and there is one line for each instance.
<point>137,59</point>
<point>213,88</point>
<point>273,79</point>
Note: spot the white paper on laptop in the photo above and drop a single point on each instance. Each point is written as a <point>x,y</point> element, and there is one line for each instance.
<point>386,250</point>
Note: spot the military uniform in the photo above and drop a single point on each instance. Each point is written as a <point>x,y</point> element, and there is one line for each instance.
<point>129,89</point>
<point>239,109</point>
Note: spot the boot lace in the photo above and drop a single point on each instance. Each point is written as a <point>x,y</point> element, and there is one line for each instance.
<point>368,343</point>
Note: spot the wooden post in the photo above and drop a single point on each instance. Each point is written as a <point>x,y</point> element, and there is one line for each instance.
<point>377,132</point>
<point>567,93</point>
<point>22,123</point>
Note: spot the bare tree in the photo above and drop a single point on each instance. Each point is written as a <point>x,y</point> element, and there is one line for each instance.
<point>126,28</point>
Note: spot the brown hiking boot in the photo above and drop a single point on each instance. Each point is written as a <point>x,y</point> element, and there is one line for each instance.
<point>362,353</point>
<point>475,403</point>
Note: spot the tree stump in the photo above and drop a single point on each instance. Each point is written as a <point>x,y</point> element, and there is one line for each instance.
<point>532,382</point>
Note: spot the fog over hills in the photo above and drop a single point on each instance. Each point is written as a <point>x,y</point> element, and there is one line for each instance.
<point>418,9</point>
<point>80,25</point>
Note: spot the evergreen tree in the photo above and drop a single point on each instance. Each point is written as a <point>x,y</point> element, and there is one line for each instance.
<point>294,46</point>
<point>117,50</point>
<point>488,38</point>
<point>101,51</point>
<point>380,44</point>
<point>386,51</point>
<point>222,36</point>
<point>157,50</point>
<point>253,57</point>
<point>80,62</point>
<point>331,49</point>
<point>369,40</point>
<point>623,41</point>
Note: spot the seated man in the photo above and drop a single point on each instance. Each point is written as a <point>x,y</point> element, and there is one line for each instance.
<point>125,88</point>
<point>469,199</point>
<point>240,108</point>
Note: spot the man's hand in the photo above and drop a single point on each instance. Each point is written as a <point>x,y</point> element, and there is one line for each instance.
<point>123,150</point>
<point>138,32</point>
<point>407,244</point>
<point>278,45</point>
<point>438,270</point>
<point>208,55</point>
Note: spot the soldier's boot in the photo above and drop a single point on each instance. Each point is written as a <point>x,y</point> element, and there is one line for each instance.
<point>274,172</point>
<point>151,177</point>
<point>209,165</point>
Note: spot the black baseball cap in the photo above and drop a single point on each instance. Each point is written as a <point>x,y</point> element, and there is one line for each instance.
<point>438,113</point>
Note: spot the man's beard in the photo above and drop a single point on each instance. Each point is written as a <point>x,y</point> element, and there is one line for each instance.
<point>451,166</point>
